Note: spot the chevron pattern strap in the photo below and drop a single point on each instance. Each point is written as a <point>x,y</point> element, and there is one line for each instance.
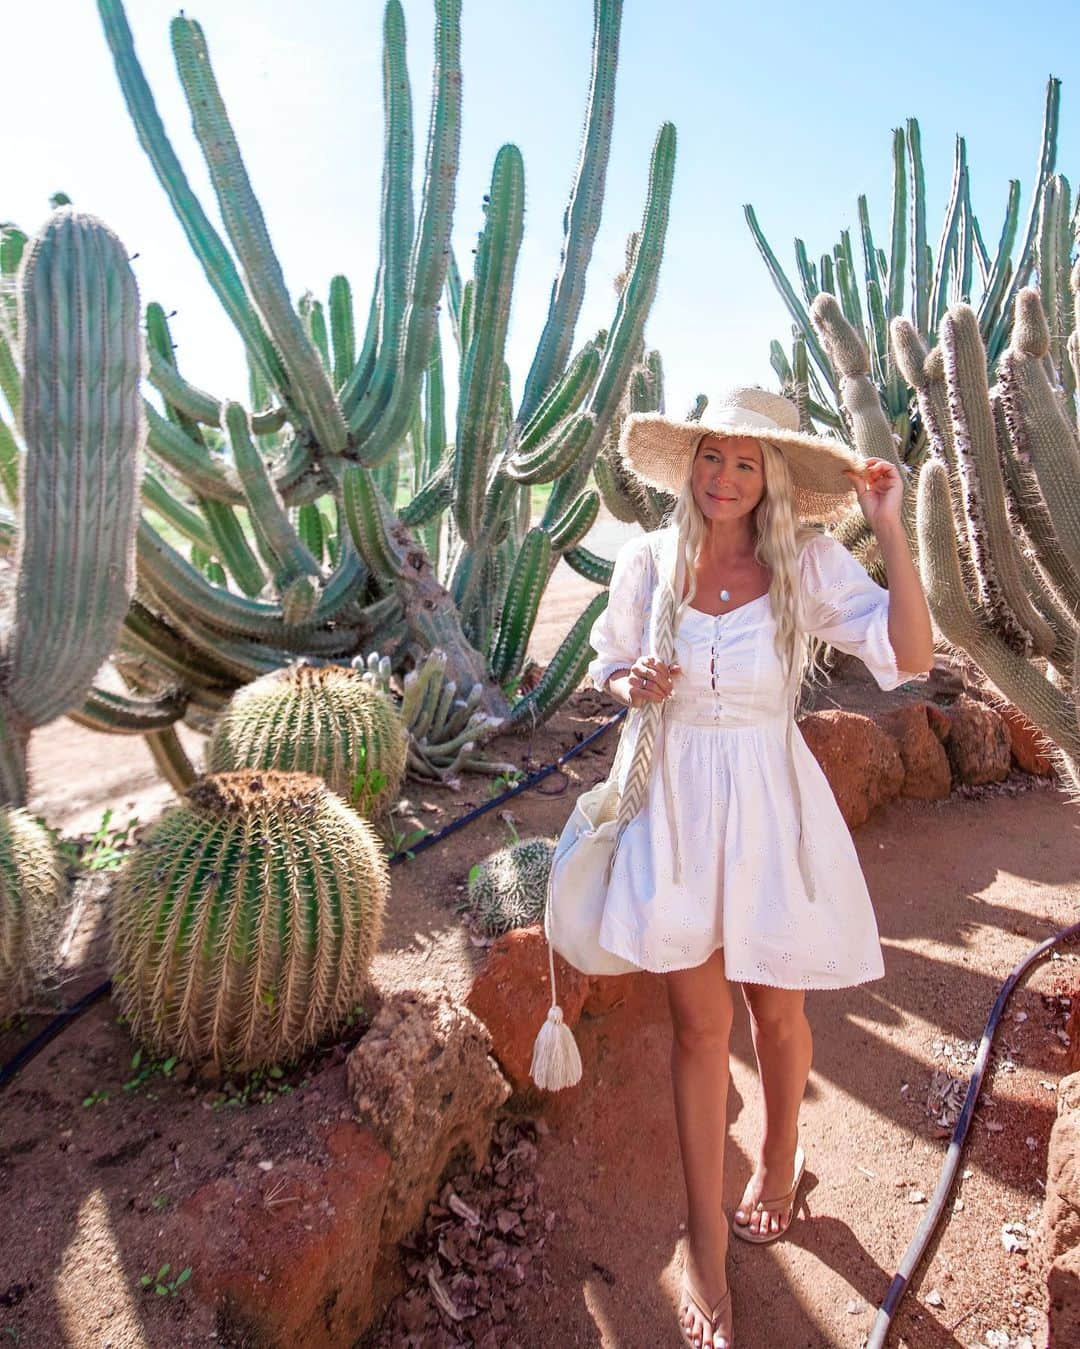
<point>637,778</point>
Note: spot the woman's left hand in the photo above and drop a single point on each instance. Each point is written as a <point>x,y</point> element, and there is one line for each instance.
<point>880,491</point>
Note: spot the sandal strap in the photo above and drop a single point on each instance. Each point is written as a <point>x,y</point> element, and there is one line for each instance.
<point>711,1314</point>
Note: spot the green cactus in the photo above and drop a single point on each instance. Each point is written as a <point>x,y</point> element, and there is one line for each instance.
<point>327,720</point>
<point>444,730</point>
<point>429,517</point>
<point>1002,574</point>
<point>33,896</point>
<point>961,270</point>
<point>244,924</point>
<point>82,430</point>
<point>508,889</point>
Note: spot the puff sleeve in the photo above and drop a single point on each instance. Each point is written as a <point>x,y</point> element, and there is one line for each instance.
<point>617,636</point>
<point>847,608</point>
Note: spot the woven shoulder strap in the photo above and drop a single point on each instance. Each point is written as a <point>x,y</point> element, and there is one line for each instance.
<point>670,570</point>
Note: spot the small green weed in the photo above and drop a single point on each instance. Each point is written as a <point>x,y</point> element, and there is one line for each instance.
<point>96,1097</point>
<point>404,841</point>
<point>162,1284</point>
<point>260,1086</point>
<point>145,1071</point>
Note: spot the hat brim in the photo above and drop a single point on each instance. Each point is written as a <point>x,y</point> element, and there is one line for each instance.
<point>660,450</point>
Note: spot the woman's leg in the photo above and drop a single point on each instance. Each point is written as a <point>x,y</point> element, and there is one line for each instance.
<point>701,1010</point>
<point>784,1049</point>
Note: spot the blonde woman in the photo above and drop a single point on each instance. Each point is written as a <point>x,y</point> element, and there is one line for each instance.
<point>739,868</point>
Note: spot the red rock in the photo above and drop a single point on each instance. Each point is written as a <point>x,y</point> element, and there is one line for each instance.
<point>1063,1289</point>
<point>939,721</point>
<point>927,775</point>
<point>423,1078</point>
<point>1027,742</point>
<point>859,759</point>
<point>511,994</point>
<point>978,743</point>
<point>605,992</point>
<point>287,1255</point>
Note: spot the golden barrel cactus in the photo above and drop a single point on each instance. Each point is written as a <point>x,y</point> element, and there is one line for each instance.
<point>244,924</point>
<point>328,720</point>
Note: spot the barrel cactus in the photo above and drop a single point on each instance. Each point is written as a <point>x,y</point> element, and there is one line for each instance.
<point>328,720</point>
<point>33,891</point>
<point>243,926</point>
<point>508,889</point>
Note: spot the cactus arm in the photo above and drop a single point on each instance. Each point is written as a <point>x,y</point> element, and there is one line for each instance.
<point>1037,423</point>
<point>246,228</point>
<point>481,376</point>
<point>83,430</point>
<point>568,532</point>
<point>807,270</point>
<point>314,321</point>
<point>182,518</point>
<point>898,241</point>
<point>582,218</point>
<point>342,329</point>
<point>364,402</point>
<point>920,272</point>
<point>871,430</point>
<point>207,245</point>
<point>10,382</point>
<point>589,564</point>
<point>380,428</point>
<point>787,294</point>
<point>564,671</point>
<point>566,396</point>
<point>1050,708</point>
<point>946,256</point>
<point>523,596</point>
<point>990,304</point>
<point>454,297</point>
<point>1047,159</point>
<point>268,516</point>
<point>190,461</point>
<point>124,714</point>
<point>554,457</point>
<point>431,497</point>
<point>230,543</point>
<point>171,759</point>
<point>1001,592</point>
<point>360,374</point>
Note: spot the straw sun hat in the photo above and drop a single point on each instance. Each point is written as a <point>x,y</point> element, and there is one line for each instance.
<point>660,451</point>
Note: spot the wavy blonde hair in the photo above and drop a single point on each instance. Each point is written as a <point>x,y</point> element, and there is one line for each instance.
<point>781,537</point>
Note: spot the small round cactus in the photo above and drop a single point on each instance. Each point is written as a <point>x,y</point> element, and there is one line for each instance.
<point>244,924</point>
<point>508,889</point>
<point>33,892</point>
<point>329,720</point>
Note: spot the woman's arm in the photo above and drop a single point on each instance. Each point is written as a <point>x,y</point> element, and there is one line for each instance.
<point>911,632</point>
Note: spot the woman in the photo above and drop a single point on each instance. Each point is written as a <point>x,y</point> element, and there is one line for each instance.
<point>739,867</point>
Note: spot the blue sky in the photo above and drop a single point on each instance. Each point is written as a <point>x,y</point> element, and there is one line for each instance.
<point>784,105</point>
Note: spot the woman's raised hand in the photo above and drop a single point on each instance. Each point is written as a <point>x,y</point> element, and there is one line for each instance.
<point>650,680</point>
<point>880,491</point>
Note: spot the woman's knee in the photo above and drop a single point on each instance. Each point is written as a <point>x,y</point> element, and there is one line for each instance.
<point>775,1012</point>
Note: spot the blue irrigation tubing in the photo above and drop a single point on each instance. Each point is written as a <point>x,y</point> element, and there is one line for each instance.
<point>919,1242</point>
<point>64,1019</point>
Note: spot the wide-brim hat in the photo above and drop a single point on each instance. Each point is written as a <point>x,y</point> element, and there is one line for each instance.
<point>659,450</point>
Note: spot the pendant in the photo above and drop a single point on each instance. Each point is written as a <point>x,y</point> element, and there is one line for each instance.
<point>724,595</point>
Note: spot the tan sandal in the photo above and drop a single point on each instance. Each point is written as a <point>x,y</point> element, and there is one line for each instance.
<point>784,1202</point>
<point>718,1317</point>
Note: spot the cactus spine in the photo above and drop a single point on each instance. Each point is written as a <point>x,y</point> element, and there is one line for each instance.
<point>508,889</point>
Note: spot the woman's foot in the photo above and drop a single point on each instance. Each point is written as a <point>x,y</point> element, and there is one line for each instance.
<point>705,1305</point>
<point>768,1202</point>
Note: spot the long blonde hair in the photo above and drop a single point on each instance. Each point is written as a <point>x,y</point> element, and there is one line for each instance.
<point>780,536</point>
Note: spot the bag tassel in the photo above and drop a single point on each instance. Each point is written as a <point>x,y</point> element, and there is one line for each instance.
<point>556,1062</point>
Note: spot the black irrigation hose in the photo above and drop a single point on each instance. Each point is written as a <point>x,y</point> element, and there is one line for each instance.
<point>64,1019</point>
<point>919,1242</point>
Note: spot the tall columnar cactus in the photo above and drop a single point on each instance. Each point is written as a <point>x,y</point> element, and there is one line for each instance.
<point>911,278</point>
<point>348,516</point>
<point>326,720</point>
<point>33,890</point>
<point>1000,549</point>
<point>77,397</point>
<point>243,926</point>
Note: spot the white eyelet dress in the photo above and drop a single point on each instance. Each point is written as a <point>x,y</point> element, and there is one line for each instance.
<point>712,858</point>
